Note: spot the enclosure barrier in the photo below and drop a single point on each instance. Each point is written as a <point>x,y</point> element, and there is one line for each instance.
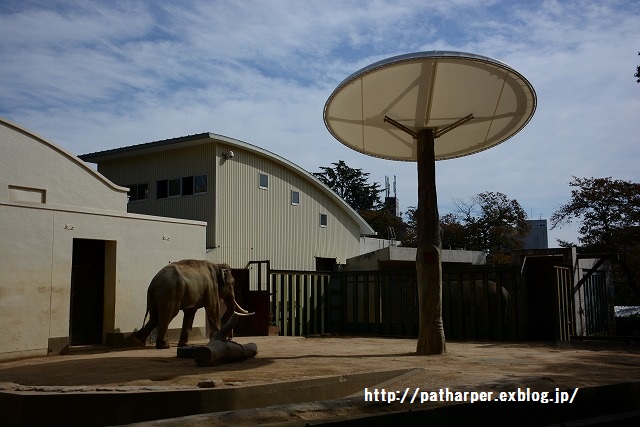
<point>478,303</point>
<point>298,302</point>
<point>594,305</point>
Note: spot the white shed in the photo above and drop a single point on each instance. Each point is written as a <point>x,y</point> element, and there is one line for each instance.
<point>75,265</point>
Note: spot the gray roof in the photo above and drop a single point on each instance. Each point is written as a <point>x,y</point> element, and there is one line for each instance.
<point>204,138</point>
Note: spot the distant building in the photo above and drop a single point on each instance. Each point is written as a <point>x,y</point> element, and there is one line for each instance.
<point>537,237</point>
<point>392,204</point>
<point>258,206</point>
<point>401,258</point>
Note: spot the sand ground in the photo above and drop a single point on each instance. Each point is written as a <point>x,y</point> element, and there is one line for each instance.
<point>481,366</point>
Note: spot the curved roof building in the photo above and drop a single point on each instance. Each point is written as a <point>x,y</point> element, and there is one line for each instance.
<point>258,205</point>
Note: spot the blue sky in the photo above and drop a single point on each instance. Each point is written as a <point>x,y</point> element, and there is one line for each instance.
<point>91,76</point>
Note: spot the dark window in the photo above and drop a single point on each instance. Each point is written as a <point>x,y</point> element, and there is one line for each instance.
<point>295,197</point>
<point>143,191</point>
<point>323,220</point>
<point>162,189</point>
<point>174,187</point>
<point>325,264</point>
<point>187,185</point>
<point>138,192</point>
<point>264,181</point>
<point>200,184</point>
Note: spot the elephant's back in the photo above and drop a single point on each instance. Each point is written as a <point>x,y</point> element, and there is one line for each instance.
<point>186,281</point>
<point>168,282</point>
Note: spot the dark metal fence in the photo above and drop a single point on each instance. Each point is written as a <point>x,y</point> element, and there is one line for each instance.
<point>478,303</point>
<point>564,323</point>
<point>374,303</point>
<point>595,305</point>
<point>298,302</point>
<point>483,302</point>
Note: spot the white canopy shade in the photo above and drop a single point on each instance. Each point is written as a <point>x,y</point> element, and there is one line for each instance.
<point>430,90</point>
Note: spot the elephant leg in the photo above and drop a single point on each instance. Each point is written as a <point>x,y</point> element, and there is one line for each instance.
<point>142,335</point>
<point>187,325</point>
<point>165,315</point>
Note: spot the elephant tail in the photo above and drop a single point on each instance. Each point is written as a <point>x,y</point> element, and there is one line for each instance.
<point>146,313</point>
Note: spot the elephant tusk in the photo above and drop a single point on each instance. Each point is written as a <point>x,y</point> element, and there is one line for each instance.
<point>243,314</point>
<point>242,310</point>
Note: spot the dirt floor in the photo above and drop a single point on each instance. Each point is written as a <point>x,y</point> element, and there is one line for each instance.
<point>478,366</point>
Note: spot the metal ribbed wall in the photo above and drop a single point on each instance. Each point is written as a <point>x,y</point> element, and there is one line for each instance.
<point>257,224</point>
<point>245,223</point>
<point>169,164</point>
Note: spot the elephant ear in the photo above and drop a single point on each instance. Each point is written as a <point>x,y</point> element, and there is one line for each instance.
<point>222,274</point>
<point>218,274</point>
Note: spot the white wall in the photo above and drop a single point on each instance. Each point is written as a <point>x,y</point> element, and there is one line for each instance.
<point>36,248</point>
<point>29,162</point>
<point>48,198</point>
<point>370,244</point>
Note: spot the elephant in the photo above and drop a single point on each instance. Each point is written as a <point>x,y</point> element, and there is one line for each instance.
<point>187,285</point>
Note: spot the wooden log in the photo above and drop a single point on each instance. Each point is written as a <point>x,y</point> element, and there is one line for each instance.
<point>221,350</point>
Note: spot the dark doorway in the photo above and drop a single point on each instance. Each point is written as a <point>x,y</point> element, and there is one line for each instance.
<point>254,301</point>
<point>549,299</point>
<point>325,264</point>
<point>87,292</point>
<point>540,284</point>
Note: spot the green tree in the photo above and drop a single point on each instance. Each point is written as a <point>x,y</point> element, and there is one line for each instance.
<point>492,223</point>
<point>384,219</point>
<point>410,238</point>
<point>489,222</point>
<point>609,214</point>
<point>454,232</point>
<point>351,184</point>
<point>637,74</point>
<point>608,210</point>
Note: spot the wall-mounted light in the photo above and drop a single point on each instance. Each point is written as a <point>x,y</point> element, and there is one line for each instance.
<point>228,155</point>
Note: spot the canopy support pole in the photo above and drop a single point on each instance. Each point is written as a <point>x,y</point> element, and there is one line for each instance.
<point>431,338</point>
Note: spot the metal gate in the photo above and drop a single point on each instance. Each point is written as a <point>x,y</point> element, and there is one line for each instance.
<point>298,302</point>
<point>594,305</point>
<point>564,324</point>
